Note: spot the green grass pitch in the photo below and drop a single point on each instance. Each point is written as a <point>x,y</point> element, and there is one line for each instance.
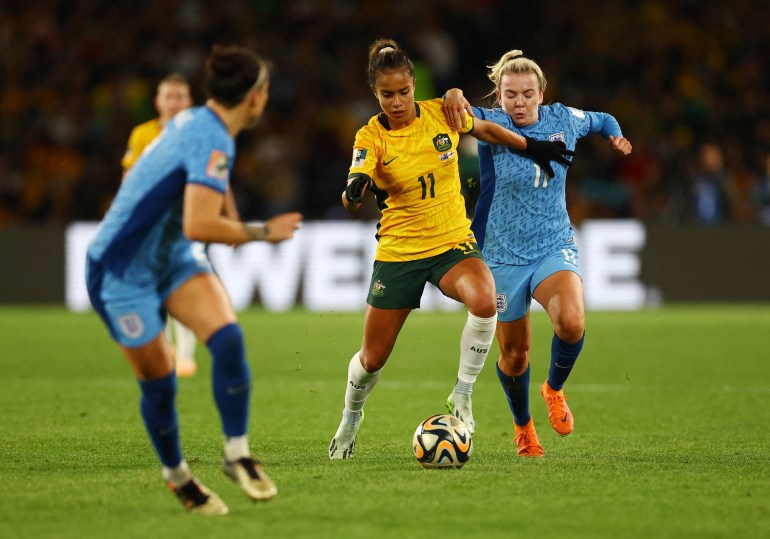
<point>671,437</point>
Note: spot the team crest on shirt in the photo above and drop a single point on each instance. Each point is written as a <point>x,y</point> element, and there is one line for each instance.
<point>217,167</point>
<point>557,137</point>
<point>378,289</point>
<point>131,325</point>
<point>442,142</point>
<point>359,156</point>
<point>502,303</point>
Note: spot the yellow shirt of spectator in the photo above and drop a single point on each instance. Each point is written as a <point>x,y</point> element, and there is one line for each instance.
<point>414,175</point>
<point>141,137</point>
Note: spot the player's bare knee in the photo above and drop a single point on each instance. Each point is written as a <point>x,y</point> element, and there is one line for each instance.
<point>372,362</point>
<point>570,330</point>
<point>483,307</point>
<point>514,359</point>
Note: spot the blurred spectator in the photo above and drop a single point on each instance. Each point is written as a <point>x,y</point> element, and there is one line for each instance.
<point>75,77</point>
<point>709,186</point>
<point>762,193</point>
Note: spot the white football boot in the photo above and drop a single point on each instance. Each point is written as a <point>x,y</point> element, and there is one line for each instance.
<point>344,441</point>
<point>460,406</point>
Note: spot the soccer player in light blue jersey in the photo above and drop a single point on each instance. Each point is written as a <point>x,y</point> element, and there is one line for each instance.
<point>527,240</point>
<point>146,261</point>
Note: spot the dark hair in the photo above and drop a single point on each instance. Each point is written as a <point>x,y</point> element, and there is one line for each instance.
<point>380,60</point>
<point>231,72</point>
<point>175,78</point>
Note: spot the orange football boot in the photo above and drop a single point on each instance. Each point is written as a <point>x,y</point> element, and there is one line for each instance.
<point>558,412</point>
<point>527,443</point>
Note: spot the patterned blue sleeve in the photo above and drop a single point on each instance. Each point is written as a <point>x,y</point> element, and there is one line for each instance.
<point>208,154</point>
<point>587,122</point>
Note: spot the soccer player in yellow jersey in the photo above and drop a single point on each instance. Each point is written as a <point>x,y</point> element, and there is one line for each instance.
<point>407,157</point>
<point>173,95</point>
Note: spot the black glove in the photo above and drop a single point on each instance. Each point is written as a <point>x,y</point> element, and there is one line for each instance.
<point>355,189</point>
<point>543,152</point>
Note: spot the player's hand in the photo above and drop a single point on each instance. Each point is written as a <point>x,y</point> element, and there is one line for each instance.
<point>454,108</point>
<point>282,227</point>
<point>543,152</point>
<point>356,188</point>
<point>620,145</point>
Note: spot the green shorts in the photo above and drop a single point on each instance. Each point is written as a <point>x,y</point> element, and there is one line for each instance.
<point>398,285</point>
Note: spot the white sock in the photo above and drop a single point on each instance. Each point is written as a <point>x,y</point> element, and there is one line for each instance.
<point>184,342</point>
<point>475,341</point>
<point>178,475</point>
<point>236,447</point>
<point>360,384</point>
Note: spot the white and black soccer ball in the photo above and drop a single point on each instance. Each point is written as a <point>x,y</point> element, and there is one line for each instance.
<point>442,441</point>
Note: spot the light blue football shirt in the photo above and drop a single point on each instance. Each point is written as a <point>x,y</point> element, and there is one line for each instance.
<point>521,214</point>
<point>144,222</point>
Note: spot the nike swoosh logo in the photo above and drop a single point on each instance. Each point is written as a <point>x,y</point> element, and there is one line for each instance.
<point>386,163</point>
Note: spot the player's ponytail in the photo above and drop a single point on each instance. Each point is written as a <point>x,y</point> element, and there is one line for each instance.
<point>514,61</point>
<point>386,55</point>
<point>231,72</point>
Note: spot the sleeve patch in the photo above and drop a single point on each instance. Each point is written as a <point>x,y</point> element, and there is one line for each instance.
<point>577,112</point>
<point>217,167</point>
<point>359,157</point>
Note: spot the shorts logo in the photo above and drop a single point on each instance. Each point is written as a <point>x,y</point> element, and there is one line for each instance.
<point>217,167</point>
<point>378,289</point>
<point>502,303</point>
<point>570,257</point>
<point>442,142</point>
<point>131,325</point>
<point>359,157</point>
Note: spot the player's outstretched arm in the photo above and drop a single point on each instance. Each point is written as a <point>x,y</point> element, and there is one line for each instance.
<point>454,108</point>
<point>202,220</point>
<point>276,229</point>
<point>541,152</point>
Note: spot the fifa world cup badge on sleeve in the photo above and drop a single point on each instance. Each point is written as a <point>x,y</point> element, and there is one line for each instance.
<point>217,167</point>
<point>359,157</point>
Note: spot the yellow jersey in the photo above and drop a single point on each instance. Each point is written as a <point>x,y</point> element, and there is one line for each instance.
<point>140,138</point>
<point>414,175</point>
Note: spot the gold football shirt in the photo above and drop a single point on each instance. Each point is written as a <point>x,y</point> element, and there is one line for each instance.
<point>141,137</point>
<point>414,175</point>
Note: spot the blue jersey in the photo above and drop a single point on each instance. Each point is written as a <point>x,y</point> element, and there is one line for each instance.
<point>144,224</point>
<point>521,214</point>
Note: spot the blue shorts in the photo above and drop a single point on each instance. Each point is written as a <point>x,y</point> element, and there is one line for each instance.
<point>132,306</point>
<point>515,284</point>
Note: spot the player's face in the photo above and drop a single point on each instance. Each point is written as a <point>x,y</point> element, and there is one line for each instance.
<point>519,96</point>
<point>395,92</point>
<point>171,98</point>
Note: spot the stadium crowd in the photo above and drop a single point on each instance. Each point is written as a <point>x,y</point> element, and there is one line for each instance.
<point>688,80</point>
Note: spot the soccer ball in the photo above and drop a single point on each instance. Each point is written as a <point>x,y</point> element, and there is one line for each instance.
<point>442,441</point>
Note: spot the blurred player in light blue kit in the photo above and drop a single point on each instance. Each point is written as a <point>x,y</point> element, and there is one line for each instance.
<point>145,262</point>
<point>172,96</point>
<point>527,240</point>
